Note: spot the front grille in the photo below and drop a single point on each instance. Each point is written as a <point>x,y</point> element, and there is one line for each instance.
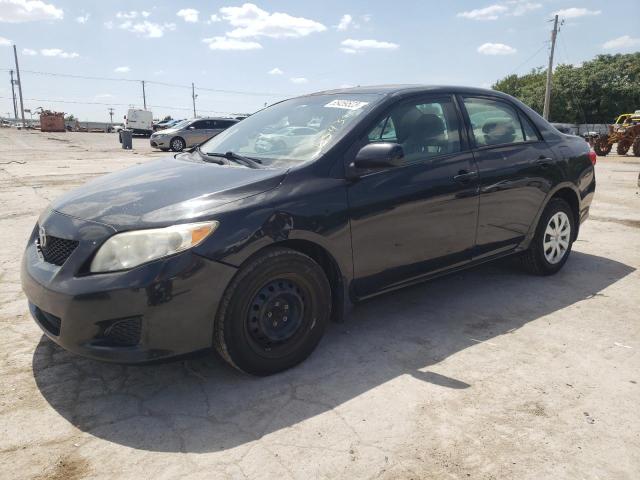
<point>56,250</point>
<point>124,333</point>
<point>49,322</point>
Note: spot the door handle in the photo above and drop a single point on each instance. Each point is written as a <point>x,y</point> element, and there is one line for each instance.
<point>464,176</point>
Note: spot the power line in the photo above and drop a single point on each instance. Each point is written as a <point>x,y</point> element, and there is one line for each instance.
<point>84,102</point>
<point>515,70</point>
<point>165,84</point>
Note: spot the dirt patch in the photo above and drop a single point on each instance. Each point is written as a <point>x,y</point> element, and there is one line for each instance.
<point>68,467</point>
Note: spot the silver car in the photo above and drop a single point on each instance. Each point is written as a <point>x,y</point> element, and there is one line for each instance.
<point>189,133</point>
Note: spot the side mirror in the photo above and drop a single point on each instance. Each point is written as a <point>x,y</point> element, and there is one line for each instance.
<point>379,155</point>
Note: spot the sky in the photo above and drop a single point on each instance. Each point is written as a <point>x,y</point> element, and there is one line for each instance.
<point>242,56</point>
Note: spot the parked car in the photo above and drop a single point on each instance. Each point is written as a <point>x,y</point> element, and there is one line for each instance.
<point>165,124</point>
<point>139,120</point>
<point>189,133</point>
<point>253,252</point>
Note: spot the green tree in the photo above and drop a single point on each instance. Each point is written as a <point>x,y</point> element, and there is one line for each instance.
<point>595,92</point>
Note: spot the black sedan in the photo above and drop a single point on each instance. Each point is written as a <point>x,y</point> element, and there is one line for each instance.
<point>252,242</point>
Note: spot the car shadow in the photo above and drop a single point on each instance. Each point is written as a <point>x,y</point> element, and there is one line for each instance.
<point>201,405</point>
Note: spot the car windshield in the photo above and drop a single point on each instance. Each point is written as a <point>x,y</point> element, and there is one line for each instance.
<point>297,130</point>
<point>181,124</point>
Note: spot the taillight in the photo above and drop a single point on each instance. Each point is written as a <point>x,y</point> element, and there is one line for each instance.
<point>593,157</point>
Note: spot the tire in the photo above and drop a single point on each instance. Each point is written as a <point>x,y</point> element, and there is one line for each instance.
<point>636,146</point>
<point>177,144</point>
<point>623,147</point>
<point>278,286</point>
<point>538,259</point>
<point>165,149</point>
<point>602,146</point>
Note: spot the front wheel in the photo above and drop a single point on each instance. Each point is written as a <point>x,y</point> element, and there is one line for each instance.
<point>602,146</point>
<point>177,144</point>
<point>273,313</point>
<point>551,245</point>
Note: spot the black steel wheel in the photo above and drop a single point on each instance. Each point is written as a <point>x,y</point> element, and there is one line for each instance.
<point>273,313</point>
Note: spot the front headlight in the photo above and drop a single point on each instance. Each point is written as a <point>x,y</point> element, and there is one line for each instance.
<point>130,249</point>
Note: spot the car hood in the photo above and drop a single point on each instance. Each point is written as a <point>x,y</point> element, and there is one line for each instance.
<point>164,192</point>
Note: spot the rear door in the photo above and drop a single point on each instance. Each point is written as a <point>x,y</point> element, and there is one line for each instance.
<point>516,169</point>
<point>420,217</point>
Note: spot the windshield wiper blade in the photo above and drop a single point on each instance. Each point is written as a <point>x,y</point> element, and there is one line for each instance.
<point>246,161</point>
<point>207,157</point>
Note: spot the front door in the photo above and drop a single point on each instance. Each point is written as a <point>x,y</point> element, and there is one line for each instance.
<point>420,217</point>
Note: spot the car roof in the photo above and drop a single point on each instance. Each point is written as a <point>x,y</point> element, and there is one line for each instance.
<point>215,118</point>
<point>409,89</point>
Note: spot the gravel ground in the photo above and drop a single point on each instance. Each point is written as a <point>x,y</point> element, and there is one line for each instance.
<point>485,374</point>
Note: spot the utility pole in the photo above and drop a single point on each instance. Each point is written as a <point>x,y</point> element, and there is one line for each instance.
<point>144,96</point>
<point>111,115</point>
<point>15,55</point>
<point>13,94</point>
<point>193,97</point>
<point>547,92</point>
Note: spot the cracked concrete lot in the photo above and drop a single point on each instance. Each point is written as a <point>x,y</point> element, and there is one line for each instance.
<point>486,374</point>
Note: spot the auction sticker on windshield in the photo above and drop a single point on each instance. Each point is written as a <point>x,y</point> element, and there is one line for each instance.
<point>346,104</point>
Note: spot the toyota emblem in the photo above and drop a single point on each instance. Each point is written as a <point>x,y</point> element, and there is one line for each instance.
<point>42,237</point>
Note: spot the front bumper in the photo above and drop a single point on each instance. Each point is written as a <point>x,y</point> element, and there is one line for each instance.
<point>163,309</point>
<point>160,142</point>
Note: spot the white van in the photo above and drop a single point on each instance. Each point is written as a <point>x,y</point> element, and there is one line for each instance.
<point>140,121</point>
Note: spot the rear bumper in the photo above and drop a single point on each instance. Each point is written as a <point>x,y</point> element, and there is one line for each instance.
<point>162,309</point>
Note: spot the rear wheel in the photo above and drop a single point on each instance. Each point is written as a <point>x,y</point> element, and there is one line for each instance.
<point>551,245</point>
<point>602,146</point>
<point>273,313</point>
<point>177,144</point>
<point>636,146</point>
<point>623,147</point>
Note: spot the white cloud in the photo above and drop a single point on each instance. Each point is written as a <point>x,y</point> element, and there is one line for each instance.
<point>496,49</point>
<point>275,71</point>
<point>576,12</point>
<point>29,52</point>
<point>621,43</point>
<point>299,80</point>
<point>4,42</point>
<point>214,18</point>
<point>146,28</point>
<point>17,11</point>
<point>189,15</point>
<point>57,52</point>
<point>520,8</point>
<point>122,69</point>
<point>492,12</point>
<point>104,95</point>
<point>354,46</point>
<point>83,18</point>
<point>127,15</point>
<point>224,43</point>
<point>250,21</point>
<point>345,22</point>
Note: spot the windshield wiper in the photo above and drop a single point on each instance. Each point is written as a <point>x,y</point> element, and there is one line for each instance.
<point>207,157</point>
<point>234,157</point>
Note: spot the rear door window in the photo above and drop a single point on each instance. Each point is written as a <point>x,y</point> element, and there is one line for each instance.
<point>493,122</point>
